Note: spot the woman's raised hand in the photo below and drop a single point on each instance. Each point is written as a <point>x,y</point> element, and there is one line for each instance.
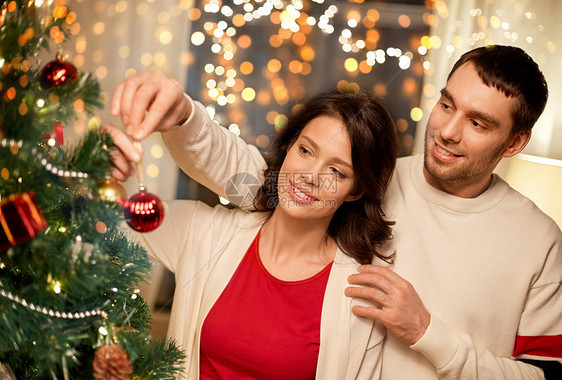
<point>150,102</point>
<point>146,103</point>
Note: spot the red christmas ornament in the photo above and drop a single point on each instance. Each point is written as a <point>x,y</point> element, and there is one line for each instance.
<point>57,134</point>
<point>20,219</point>
<point>57,73</point>
<point>144,211</point>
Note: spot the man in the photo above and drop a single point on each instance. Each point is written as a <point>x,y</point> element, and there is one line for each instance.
<point>486,263</point>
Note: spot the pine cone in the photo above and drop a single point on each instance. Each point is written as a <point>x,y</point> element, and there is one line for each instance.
<point>111,363</point>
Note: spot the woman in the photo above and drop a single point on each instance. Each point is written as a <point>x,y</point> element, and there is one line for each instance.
<point>261,295</point>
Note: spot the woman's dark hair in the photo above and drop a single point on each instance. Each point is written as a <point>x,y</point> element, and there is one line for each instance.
<point>512,71</point>
<point>358,227</point>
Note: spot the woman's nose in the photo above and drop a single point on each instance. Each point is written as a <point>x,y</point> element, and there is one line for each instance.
<point>308,177</point>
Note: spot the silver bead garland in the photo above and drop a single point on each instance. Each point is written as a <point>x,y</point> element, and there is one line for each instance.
<point>28,305</point>
<point>46,164</point>
<point>50,312</point>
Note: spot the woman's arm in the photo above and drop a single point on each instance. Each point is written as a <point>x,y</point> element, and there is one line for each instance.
<point>216,157</point>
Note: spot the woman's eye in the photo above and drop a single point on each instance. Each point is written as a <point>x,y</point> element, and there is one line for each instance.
<point>337,173</point>
<point>445,105</point>
<point>303,150</point>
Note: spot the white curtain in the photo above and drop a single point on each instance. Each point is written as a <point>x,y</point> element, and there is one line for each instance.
<point>116,39</point>
<point>533,25</point>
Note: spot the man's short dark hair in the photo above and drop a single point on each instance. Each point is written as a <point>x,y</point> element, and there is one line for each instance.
<point>513,72</point>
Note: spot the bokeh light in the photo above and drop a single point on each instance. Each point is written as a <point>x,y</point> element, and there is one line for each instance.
<point>416,114</point>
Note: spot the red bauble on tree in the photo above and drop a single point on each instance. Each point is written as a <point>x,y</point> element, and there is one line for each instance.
<point>144,211</point>
<point>56,73</point>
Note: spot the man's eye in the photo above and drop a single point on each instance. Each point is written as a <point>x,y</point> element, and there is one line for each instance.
<point>477,124</point>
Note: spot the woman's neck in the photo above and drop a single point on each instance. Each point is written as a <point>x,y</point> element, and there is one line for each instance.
<point>295,249</point>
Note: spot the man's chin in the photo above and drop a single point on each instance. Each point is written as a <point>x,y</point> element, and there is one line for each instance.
<point>440,171</point>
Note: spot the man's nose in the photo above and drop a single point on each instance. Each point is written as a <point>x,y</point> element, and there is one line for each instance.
<point>452,129</point>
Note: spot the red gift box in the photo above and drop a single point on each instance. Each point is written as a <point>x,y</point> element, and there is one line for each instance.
<point>20,218</point>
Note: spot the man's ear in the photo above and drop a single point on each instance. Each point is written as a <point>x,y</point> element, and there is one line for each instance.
<point>518,142</point>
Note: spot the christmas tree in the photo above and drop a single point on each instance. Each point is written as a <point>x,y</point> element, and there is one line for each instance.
<point>69,307</point>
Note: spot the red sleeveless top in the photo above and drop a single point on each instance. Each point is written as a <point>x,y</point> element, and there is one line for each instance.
<point>262,327</point>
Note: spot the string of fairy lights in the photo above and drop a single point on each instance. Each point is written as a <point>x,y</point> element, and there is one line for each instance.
<point>224,28</point>
<point>295,23</point>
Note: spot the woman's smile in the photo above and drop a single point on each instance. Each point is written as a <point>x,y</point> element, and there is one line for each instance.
<point>300,195</point>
